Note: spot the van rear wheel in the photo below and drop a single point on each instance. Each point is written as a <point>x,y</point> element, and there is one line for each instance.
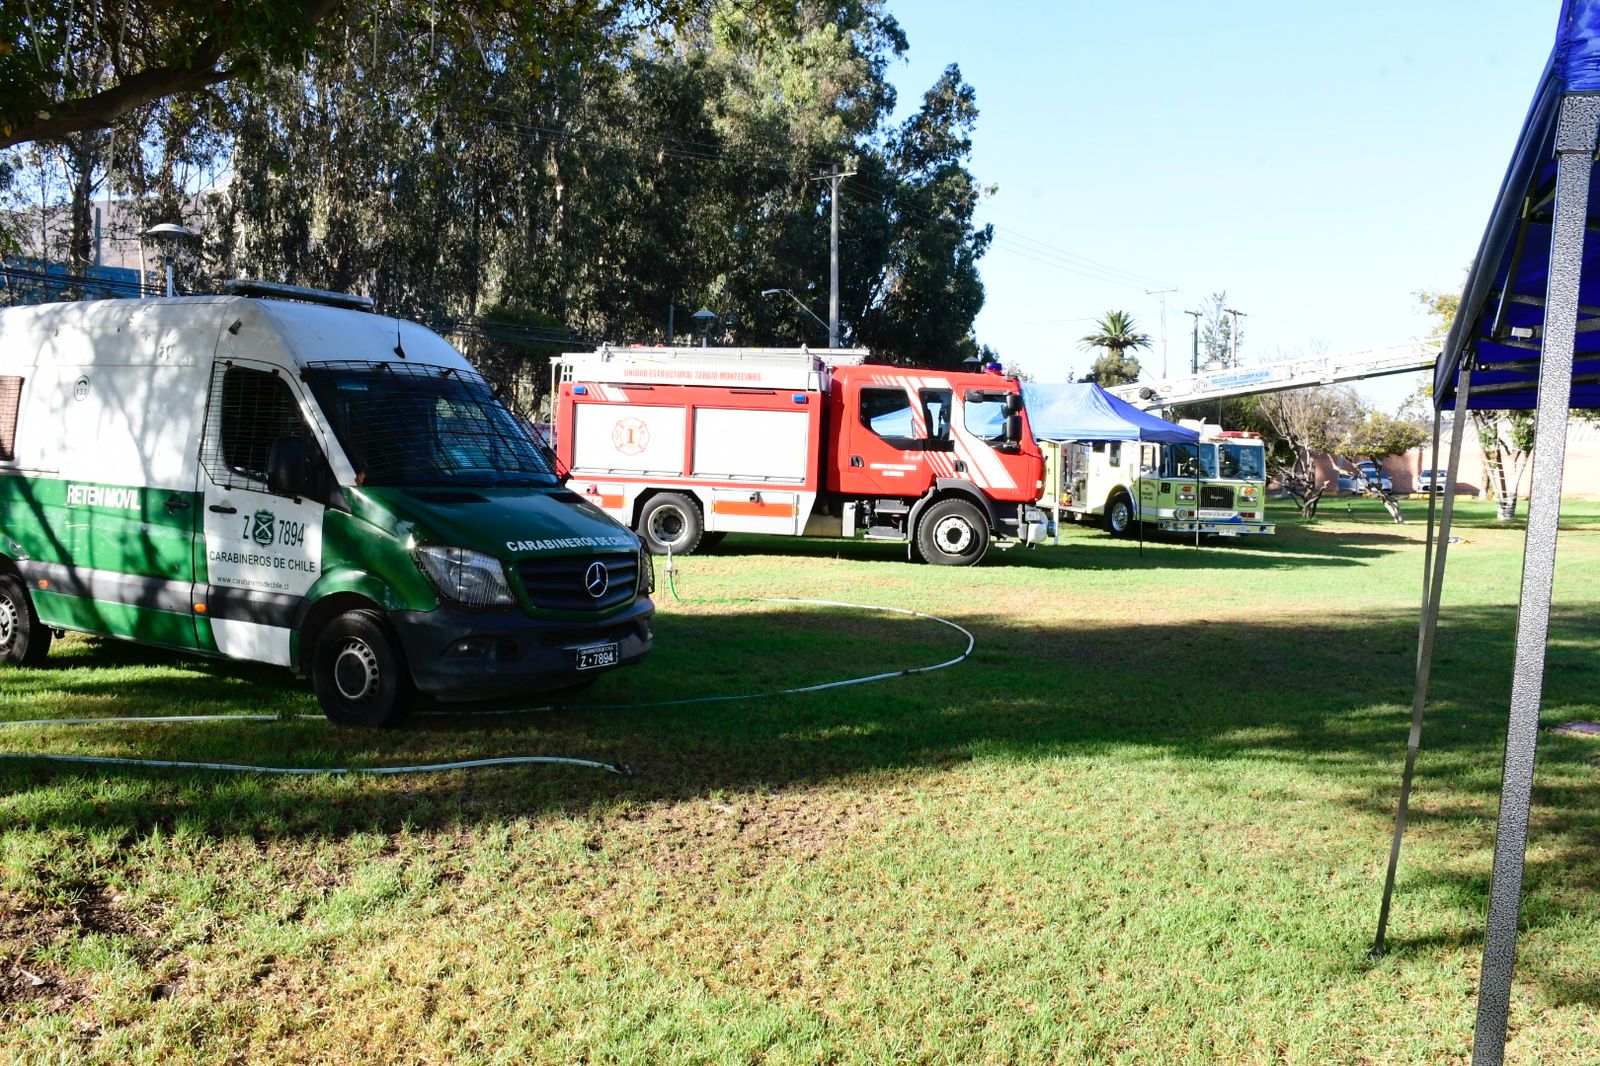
<point>24,641</point>
<point>359,672</point>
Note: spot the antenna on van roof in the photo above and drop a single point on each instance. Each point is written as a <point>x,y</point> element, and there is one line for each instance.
<point>398,349</point>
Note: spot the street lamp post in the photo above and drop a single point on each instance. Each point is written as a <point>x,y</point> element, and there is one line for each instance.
<point>167,235</point>
<point>802,306</point>
<point>703,318</point>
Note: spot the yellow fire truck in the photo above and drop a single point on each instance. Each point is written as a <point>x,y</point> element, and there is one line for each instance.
<point>1218,484</point>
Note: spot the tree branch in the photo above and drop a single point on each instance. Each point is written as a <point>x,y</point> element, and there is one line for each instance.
<point>103,108</point>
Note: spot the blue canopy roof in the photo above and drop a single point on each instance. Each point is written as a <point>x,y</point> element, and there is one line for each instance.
<point>1085,411</point>
<point>1502,308</point>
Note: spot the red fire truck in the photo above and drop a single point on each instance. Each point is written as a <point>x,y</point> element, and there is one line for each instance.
<point>687,444</point>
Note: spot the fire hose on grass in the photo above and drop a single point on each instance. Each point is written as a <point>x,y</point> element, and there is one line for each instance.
<point>498,761</point>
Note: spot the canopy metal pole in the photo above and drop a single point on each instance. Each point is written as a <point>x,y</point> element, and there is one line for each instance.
<point>1433,562</point>
<point>1197,494</point>
<point>1575,144</point>
<point>1139,503</point>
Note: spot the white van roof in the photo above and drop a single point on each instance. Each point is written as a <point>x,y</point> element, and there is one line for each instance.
<point>162,332</point>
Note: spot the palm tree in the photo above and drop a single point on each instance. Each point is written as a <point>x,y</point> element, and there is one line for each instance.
<point>1117,334</point>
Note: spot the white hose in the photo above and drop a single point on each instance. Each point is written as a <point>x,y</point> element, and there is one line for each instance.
<point>470,764</point>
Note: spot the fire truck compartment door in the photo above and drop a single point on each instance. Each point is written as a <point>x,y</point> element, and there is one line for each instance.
<point>754,511</point>
<point>628,438</point>
<point>751,445</point>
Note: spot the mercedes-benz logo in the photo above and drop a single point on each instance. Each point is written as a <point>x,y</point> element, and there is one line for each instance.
<point>596,580</point>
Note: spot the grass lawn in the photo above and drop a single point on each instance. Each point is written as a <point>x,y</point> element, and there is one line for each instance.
<point>1146,821</point>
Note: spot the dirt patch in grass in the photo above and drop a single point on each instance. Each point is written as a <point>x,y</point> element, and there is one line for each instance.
<point>29,928</point>
<point>691,840</point>
<point>26,928</point>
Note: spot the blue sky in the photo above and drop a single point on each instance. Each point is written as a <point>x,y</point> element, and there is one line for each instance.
<point>1319,162</point>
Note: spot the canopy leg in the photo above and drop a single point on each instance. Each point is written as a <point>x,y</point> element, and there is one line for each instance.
<point>1433,561</point>
<point>1575,144</point>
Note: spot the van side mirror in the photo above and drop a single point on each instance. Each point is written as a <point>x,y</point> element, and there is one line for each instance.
<point>287,473</point>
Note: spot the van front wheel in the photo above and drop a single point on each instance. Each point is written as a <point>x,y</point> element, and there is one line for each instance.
<point>359,672</point>
<point>23,640</point>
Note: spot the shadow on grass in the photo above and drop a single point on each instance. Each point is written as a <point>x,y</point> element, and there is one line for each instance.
<point>1089,549</point>
<point>1331,698</point>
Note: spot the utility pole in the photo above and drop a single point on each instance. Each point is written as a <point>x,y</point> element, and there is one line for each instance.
<point>1194,355</point>
<point>1233,337</point>
<point>1163,294</point>
<point>833,177</point>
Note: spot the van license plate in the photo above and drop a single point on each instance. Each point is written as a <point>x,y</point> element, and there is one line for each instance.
<point>597,655</point>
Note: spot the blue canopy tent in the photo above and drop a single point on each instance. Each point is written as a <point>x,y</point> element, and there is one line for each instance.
<point>1085,411</point>
<point>1526,336</point>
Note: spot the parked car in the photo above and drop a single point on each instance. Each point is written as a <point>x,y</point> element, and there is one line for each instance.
<point>1433,481</point>
<point>1371,473</point>
<point>1349,485</point>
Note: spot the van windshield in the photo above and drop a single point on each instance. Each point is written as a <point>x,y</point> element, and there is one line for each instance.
<point>407,425</point>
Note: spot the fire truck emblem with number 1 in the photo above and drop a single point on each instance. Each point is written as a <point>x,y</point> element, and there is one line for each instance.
<point>630,436</point>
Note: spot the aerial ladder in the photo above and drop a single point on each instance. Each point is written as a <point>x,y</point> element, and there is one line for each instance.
<point>1279,377</point>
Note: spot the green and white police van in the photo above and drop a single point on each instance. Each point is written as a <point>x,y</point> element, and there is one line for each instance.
<point>297,481</point>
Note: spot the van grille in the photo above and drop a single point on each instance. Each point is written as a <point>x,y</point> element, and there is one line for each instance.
<point>1217,496</point>
<point>557,583</point>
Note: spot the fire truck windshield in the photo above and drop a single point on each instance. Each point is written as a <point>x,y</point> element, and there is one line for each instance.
<point>985,416</point>
<point>1242,461</point>
<point>1178,461</point>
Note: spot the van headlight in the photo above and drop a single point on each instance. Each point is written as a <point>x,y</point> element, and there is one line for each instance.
<point>470,578</point>
<point>647,572</point>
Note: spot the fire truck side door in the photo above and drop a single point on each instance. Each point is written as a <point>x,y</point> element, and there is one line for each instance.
<point>886,440</point>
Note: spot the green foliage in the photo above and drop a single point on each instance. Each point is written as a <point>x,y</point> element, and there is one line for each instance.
<point>1442,308</point>
<point>1376,435</point>
<point>922,290</point>
<point>1217,341</point>
<point>1117,334</point>
<point>1114,367</point>
<point>553,159</point>
<point>70,67</point>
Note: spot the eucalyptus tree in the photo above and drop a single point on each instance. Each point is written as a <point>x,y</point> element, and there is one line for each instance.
<point>150,50</point>
<point>923,298</point>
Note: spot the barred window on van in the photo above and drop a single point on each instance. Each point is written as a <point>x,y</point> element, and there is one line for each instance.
<point>10,404</point>
<point>249,410</point>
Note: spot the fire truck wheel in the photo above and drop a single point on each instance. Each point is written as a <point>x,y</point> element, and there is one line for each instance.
<point>952,533</point>
<point>24,641</point>
<point>671,521</point>
<point>1119,515</point>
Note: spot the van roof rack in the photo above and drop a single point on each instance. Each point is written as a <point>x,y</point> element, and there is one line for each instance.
<point>279,291</point>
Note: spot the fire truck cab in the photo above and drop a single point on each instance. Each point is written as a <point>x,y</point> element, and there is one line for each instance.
<point>687,444</point>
